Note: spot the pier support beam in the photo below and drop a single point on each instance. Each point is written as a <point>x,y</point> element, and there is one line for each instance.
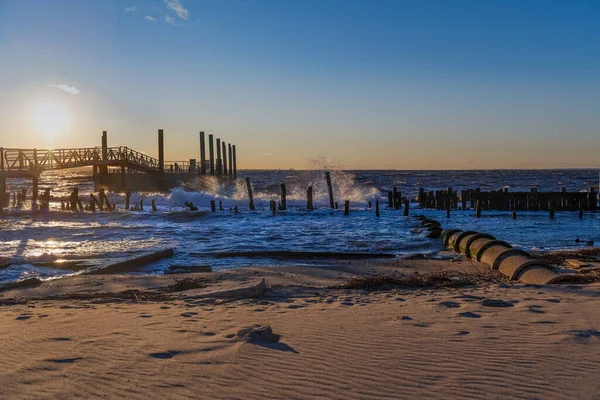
<point>234,163</point>
<point>230,162</point>
<point>3,202</point>
<point>104,169</point>
<point>34,194</point>
<point>219,161</point>
<point>224,158</point>
<point>329,189</point>
<point>211,151</point>
<point>161,152</point>
<point>202,154</point>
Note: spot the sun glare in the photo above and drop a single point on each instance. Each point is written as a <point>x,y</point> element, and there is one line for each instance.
<point>50,118</point>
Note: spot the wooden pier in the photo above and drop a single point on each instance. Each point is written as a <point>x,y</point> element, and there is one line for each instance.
<point>118,169</point>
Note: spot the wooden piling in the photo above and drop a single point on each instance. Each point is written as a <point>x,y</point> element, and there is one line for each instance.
<point>220,205</point>
<point>230,162</point>
<point>250,196</point>
<point>106,201</point>
<point>161,151</point>
<point>127,200</point>
<point>283,196</point>
<point>224,158</point>
<point>34,194</point>
<point>141,204</point>
<point>309,198</point>
<point>273,206</point>
<point>337,207</point>
<point>330,189</point>
<point>369,205</point>
<point>104,169</point>
<point>347,207</point>
<point>551,209</point>
<point>211,154</point>
<point>202,154</point>
<point>390,200</point>
<point>377,207</point>
<point>219,160</point>
<point>213,206</point>
<point>101,203</point>
<point>234,163</point>
<point>478,209</point>
<point>154,209</point>
<point>94,202</point>
<point>396,198</point>
<point>406,207</point>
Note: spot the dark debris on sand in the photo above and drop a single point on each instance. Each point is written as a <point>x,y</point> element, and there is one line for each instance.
<point>434,280</point>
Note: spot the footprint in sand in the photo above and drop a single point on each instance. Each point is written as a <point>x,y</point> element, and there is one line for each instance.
<point>449,304</point>
<point>188,314</point>
<point>399,299</point>
<point>553,300</point>
<point>145,316</point>
<point>23,317</point>
<point>463,333</point>
<point>208,333</point>
<point>584,335</point>
<point>64,360</point>
<point>164,356</point>
<point>469,314</point>
<point>406,318</point>
<point>496,303</point>
<point>60,339</point>
<point>536,309</point>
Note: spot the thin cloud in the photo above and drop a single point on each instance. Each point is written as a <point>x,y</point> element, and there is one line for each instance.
<point>177,8</point>
<point>130,9</point>
<point>66,88</point>
<point>169,19</point>
<point>149,18</point>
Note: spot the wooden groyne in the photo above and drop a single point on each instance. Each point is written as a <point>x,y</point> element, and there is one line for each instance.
<point>504,200</point>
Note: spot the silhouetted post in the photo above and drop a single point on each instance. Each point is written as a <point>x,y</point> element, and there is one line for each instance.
<point>103,195</point>
<point>45,199</point>
<point>396,198</point>
<point>224,158</point>
<point>127,200</point>
<point>202,154</point>
<point>329,189</point>
<point>249,187</point>
<point>369,206</point>
<point>273,206</point>
<point>94,201</point>
<point>551,208</point>
<point>337,206</point>
<point>309,198</point>
<point>478,209</point>
<point>421,197</point>
<point>104,168</point>
<point>219,161</point>
<point>101,203</point>
<point>283,196</point>
<point>161,152</point>
<point>141,204</point>
<point>213,206</point>
<point>347,207</point>
<point>390,200</point>
<point>34,194</point>
<point>592,199</point>
<point>123,178</point>
<point>230,162</point>
<point>211,151</point>
<point>234,163</point>
<point>406,207</point>
<point>580,210</point>
<point>377,207</point>
<point>154,209</point>
<point>220,205</point>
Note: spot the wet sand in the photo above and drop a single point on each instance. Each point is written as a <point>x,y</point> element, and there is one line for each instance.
<point>135,337</point>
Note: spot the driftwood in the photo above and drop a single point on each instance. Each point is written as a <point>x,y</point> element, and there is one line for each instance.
<point>133,263</point>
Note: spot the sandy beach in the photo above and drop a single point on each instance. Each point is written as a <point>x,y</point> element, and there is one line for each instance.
<point>138,336</point>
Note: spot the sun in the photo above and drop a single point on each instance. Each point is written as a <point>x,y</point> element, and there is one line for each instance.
<point>51,118</point>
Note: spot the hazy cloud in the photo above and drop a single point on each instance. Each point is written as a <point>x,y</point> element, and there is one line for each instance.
<point>177,8</point>
<point>149,18</point>
<point>130,9</point>
<point>169,19</point>
<point>66,88</point>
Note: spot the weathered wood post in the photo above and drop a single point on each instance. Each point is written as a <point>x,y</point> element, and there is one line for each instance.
<point>250,196</point>
<point>103,195</point>
<point>161,151</point>
<point>463,199</point>
<point>273,206</point>
<point>104,168</point>
<point>421,197</point>
<point>224,158</point>
<point>101,204</point>
<point>154,209</point>
<point>309,198</point>
<point>390,200</point>
<point>369,205</point>
<point>580,209</point>
<point>397,197</point>
<point>92,206</point>
<point>127,200</point>
<point>142,204</point>
<point>406,207</point>
<point>337,206</point>
<point>551,208</point>
<point>220,205</point>
<point>347,207</point>
<point>46,201</point>
<point>234,163</point>
<point>377,207</point>
<point>283,196</point>
<point>230,162</point>
<point>94,201</point>
<point>329,189</point>
<point>219,161</point>
<point>593,199</point>
<point>202,154</point>
<point>34,194</point>
<point>211,154</point>
<point>478,209</point>
<point>213,206</point>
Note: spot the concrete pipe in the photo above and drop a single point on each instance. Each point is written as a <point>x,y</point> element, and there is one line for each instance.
<point>446,233</point>
<point>456,243</point>
<point>496,254</point>
<point>480,246</point>
<point>541,275</point>
<point>470,240</point>
<point>512,265</point>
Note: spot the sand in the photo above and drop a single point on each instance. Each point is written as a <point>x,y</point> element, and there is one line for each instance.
<point>395,343</point>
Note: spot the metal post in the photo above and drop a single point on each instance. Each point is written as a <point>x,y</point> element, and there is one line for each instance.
<point>224,158</point>
<point>230,162</point>
<point>219,161</point>
<point>234,163</point>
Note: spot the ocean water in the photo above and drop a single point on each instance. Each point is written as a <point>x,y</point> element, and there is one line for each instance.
<point>199,237</point>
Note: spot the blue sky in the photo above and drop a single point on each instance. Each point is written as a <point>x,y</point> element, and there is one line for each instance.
<point>372,84</point>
